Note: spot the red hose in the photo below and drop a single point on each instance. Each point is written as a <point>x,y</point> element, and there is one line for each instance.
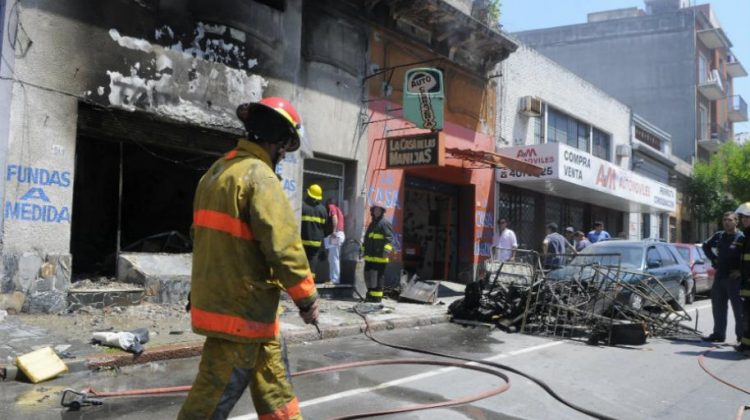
<point>701,362</point>
<point>344,366</point>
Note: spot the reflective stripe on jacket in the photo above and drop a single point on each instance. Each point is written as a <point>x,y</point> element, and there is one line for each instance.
<point>313,222</point>
<point>378,241</point>
<point>745,265</point>
<point>246,248</point>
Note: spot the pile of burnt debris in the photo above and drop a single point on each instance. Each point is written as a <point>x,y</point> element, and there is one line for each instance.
<point>594,300</point>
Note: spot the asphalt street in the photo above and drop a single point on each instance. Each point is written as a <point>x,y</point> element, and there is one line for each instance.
<point>661,379</point>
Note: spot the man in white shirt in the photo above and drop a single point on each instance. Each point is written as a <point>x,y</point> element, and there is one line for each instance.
<point>504,244</point>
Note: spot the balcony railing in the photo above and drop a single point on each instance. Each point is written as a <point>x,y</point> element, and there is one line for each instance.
<point>734,67</point>
<point>711,86</point>
<point>737,108</point>
<point>712,136</point>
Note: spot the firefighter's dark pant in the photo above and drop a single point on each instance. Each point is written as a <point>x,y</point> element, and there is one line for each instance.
<point>227,368</point>
<point>375,281</point>
<point>313,256</point>
<point>726,290</point>
<point>745,321</point>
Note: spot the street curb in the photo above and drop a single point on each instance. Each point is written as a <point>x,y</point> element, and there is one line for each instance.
<point>192,349</point>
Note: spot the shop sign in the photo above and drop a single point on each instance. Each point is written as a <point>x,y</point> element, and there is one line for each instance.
<point>415,150</point>
<point>424,97</point>
<point>648,138</point>
<point>544,155</point>
<point>568,164</point>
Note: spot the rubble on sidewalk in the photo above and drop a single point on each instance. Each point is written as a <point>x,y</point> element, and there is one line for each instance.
<point>598,303</point>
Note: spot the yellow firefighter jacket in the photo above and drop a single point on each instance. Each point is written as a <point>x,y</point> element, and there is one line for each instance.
<point>246,248</point>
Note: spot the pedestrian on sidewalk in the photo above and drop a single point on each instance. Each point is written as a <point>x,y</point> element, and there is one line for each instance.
<point>505,243</point>
<point>743,212</point>
<point>728,244</point>
<point>598,234</point>
<point>376,247</point>
<point>334,239</point>
<point>314,217</point>
<point>246,248</point>
<point>554,247</point>
<point>569,235</point>
<point>580,241</point>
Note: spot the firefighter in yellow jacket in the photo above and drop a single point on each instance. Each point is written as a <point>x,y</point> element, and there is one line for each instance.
<point>376,247</point>
<point>247,248</point>
<point>743,213</point>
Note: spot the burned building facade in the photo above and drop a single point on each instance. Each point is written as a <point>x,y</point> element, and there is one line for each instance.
<point>113,111</point>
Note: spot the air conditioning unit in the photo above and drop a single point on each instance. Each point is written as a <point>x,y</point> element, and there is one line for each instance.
<point>623,150</point>
<point>531,106</point>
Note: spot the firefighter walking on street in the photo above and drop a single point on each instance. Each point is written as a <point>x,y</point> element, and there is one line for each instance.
<point>376,247</point>
<point>247,248</point>
<point>743,212</point>
<point>314,217</point>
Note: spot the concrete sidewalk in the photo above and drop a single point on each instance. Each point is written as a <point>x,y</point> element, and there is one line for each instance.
<point>171,336</point>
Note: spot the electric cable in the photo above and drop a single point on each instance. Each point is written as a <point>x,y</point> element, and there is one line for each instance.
<point>539,382</point>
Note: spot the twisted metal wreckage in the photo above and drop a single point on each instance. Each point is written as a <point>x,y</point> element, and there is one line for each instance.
<point>596,300</point>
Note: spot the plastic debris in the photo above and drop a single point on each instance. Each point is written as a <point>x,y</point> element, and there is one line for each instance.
<point>130,341</point>
<point>41,365</point>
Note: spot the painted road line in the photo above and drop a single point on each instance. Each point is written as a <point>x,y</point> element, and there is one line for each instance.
<point>407,379</point>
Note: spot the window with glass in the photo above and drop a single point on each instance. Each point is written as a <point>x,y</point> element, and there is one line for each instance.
<point>565,129</point>
<point>601,144</point>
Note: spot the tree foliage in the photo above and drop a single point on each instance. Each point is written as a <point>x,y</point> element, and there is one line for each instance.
<point>722,183</point>
<point>494,11</point>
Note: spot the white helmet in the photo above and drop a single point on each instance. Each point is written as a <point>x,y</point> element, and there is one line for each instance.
<point>744,209</point>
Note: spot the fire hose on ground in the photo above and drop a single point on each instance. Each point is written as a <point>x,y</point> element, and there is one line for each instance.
<point>75,400</point>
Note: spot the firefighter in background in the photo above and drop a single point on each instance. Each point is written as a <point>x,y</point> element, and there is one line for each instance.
<point>247,248</point>
<point>743,212</point>
<point>314,217</point>
<point>376,247</point>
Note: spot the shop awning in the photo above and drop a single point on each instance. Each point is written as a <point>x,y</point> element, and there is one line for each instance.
<point>495,160</point>
<point>577,175</point>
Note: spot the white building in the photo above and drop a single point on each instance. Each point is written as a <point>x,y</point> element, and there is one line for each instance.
<point>584,139</point>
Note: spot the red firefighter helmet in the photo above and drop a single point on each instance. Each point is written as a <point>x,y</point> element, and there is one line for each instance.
<point>282,107</point>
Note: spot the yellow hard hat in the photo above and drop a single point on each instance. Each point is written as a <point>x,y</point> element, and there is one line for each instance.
<point>315,192</point>
<point>744,209</point>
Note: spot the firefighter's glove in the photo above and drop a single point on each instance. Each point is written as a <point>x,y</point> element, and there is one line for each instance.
<point>734,275</point>
<point>310,314</point>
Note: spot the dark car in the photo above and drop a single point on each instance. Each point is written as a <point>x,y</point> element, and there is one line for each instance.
<point>658,259</point>
<point>700,265</point>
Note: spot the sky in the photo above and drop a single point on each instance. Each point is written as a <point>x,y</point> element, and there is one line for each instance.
<point>734,15</point>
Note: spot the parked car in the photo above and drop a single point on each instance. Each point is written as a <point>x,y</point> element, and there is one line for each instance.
<point>649,257</point>
<point>700,265</point>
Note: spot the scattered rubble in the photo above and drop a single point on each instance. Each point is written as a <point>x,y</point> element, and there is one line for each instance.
<point>594,302</point>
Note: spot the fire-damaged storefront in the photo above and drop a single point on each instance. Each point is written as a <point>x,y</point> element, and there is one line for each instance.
<point>576,189</point>
<point>435,177</point>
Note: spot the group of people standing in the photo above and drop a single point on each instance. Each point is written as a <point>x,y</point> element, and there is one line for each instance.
<point>731,259</point>
<point>555,246</point>
<point>322,231</point>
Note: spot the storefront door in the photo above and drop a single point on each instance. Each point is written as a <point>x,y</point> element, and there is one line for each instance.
<point>430,233</point>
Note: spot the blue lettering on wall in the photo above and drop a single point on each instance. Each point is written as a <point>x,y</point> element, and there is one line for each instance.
<point>35,193</point>
<point>385,198</point>
<point>36,213</point>
<point>37,176</point>
<point>290,185</point>
<point>40,210</point>
<point>483,249</point>
<point>484,219</point>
